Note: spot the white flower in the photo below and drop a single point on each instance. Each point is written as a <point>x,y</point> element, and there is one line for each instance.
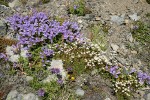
<point>23,53</point>
<point>96,58</point>
<point>9,50</point>
<point>14,58</point>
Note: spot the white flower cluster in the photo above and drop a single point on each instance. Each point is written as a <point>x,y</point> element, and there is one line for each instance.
<point>126,86</point>
<point>13,55</point>
<point>122,87</point>
<point>90,53</point>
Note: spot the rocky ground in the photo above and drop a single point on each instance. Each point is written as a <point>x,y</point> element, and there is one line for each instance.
<point>117,14</point>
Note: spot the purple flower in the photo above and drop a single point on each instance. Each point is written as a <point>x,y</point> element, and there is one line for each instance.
<point>69,69</point>
<point>3,56</point>
<point>55,70</point>
<point>132,70</point>
<point>143,77</point>
<point>48,52</point>
<point>29,54</point>
<point>41,92</point>
<point>14,64</point>
<point>135,27</point>
<point>106,68</point>
<point>114,71</point>
<point>60,81</point>
<point>75,7</point>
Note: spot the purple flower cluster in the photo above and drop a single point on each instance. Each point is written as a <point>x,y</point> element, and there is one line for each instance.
<point>38,29</point>
<point>143,77</point>
<point>46,55</point>
<point>114,71</point>
<point>46,52</point>
<point>55,70</point>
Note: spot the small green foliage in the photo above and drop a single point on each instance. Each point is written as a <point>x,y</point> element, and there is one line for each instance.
<point>54,91</point>
<point>50,88</point>
<point>45,1</point>
<point>78,8</point>
<point>148,1</point>
<point>121,96</point>
<point>148,15</point>
<point>24,2</point>
<point>33,69</point>
<point>59,19</point>
<point>4,2</point>
<point>141,32</point>
<point>105,74</point>
<point>78,66</point>
<point>99,35</point>
<point>72,56</point>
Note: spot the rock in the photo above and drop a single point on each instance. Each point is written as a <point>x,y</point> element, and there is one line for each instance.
<point>12,95</point>
<point>15,3</point>
<point>50,78</point>
<point>126,21</point>
<point>30,96</point>
<point>79,92</point>
<point>136,66</point>
<point>114,47</point>
<point>89,16</point>
<point>117,19</point>
<point>135,1</point>
<point>107,99</point>
<point>3,28</point>
<point>134,17</point>
<point>148,96</point>
<point>32,2</point>
<point>97,18</point>
<point>3,8</point>
<point>141,93</point>
<point>122,60</point>
<point>94,96</point>
<point>20,97</point>
<point>106,17</point>
<point>29,78</point>
<point>80,21</point>
<point>134,52</point>
<point>129,37</point>
<point>5,11</point>
<point>94,72</point>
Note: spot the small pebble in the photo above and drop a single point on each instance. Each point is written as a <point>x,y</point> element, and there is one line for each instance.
<point>79,92</point>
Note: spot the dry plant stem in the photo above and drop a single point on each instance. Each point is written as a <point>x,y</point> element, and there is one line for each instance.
<point>6,42</point>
